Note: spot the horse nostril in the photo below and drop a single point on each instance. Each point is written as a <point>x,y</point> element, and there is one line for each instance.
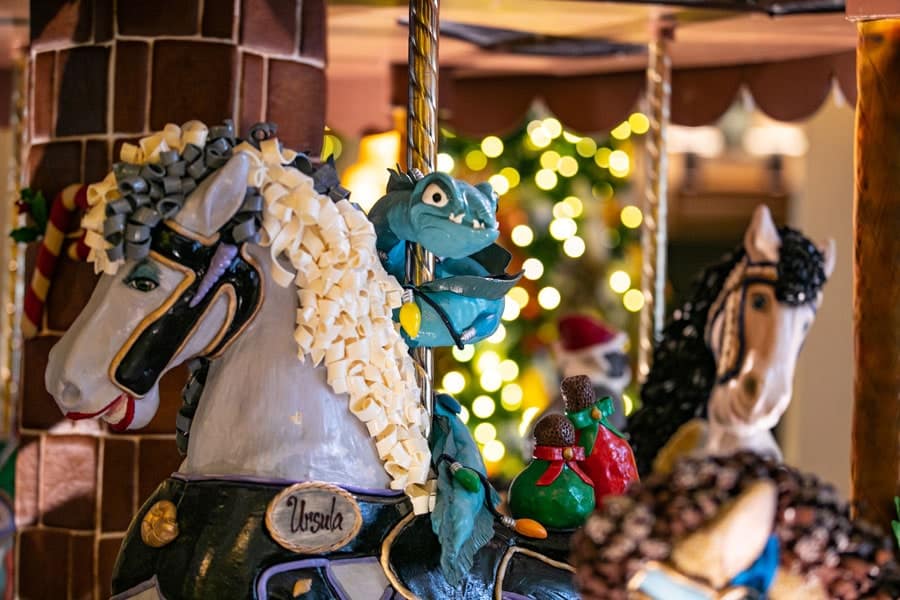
<point>69,394</point>
<point>751,385</point>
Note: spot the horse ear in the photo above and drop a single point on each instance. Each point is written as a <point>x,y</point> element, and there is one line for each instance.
<point>829,251</point>
<point>217,198</point>
<point>761,241</point>
<point>733,540</point>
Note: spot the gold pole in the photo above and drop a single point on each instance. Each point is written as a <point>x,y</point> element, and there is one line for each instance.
<point>421,144</point>
<point>655,234</point>
<point>875,454</point>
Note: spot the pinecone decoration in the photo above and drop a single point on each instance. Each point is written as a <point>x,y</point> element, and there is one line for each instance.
<point>818,540</point>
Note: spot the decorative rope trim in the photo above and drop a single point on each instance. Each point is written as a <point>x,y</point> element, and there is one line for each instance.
<point>344,320</point>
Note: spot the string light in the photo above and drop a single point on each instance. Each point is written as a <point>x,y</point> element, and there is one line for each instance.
<point>454,382</point>
<point>493,451</point>
<point>511,396</point>
<point>519,295</point>
<point>545,179</point>
<point>491,381</point>
<point>549,159</point>
<point>476,160</point>
<point>527,417</point>
<point>540,137</point>
<point>633,300</point>
<point>639,122</point>
<point>574,247</point>
<point>487,360</point>
<point>464,355</point>
<point>563,229</point>
<point>509,369</point>
<point>567,166</point>
<point>521,235</point>
<point>575,205</point>
<point>549,298</point>
<point>445,162</point>
<point>553,127</point>
<point>499,183</point>
<point>533,268</point>
<point>586,147</point>
<point>492,146</point>
<point>511,175</point>
<point>498,336</point>
<point>619,281</point>
<point>562,210</point>
<point>484,433</point>
<point>631,216</point>
<point>619,163</point>
<point>463,414</point>
<point>483,407</point>
<point>622,131</point>
<point>602,157</point>
<point>511,310</point>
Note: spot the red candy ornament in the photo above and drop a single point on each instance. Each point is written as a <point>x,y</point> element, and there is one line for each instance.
<point>609,461</point>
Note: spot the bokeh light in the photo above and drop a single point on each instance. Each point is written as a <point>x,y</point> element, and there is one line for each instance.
<point>493,451</point>
<point>567,166</point>
<point>509,369</point>
<point>549,298</point>
<point>639,122</point>
<point>553,127</point>
<point>487,360</point>
<point>619,163</point>
<point>511,396</point>
<point>576,206</point>
<point>491,380</point>
<point>445,162</point>
<point>511,310</point>
<point>622,131</point>
<point>633,300</point>
<point>511,175</point>
<point>533,268</point>
<point>563,229</point>
<point>586,147</point>
<point>492,146</point>
<point>549,159</point>
<point>483,407</point>
<point>545,179</point>
<point>619,281</point>
<point>484,433</point>
<point>574,247</point>
<point>631,216</point>
<point>498,336</point>
<point>464,355</point>
<point>519,295</point>
<point>453,382</point>
<point>476,160</point>
<point>602,157</point>
<point>521,235</point>
<point>499,183</point>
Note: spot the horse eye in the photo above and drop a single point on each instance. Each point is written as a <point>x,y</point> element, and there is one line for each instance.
<point>759,301</point>
<point>142,284</point>
<point>434,196</point>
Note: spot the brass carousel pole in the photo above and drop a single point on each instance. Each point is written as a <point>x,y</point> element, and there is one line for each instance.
<point>655,235</point>
<point>875,450</point>
<point>421,150</point>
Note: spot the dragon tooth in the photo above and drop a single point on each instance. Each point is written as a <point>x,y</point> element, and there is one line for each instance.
<point>456,218</point>
<point>476,224</point>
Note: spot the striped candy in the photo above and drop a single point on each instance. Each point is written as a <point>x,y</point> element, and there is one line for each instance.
<point>62,212</point>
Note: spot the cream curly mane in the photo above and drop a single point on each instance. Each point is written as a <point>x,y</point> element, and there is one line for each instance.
<point>344,319</point>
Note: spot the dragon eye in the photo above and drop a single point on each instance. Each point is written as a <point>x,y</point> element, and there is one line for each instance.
<point>143,278</point>
<point>435,196</point>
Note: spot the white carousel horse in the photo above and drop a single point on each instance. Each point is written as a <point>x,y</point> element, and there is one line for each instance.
<point>295,469</point>
<point>728,355</point>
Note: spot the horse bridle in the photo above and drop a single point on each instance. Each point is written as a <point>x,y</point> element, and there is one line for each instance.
<point>158,339</point>
<point>730,305</point>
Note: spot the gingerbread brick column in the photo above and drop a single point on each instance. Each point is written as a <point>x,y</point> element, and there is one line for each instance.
<point>103,72</point>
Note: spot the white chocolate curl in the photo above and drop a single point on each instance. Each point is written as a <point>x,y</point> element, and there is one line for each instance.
<point>344,319</point>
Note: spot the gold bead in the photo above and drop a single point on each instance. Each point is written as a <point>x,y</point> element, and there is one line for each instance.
<point>159,526</point>
<point>411,319</point>
<point>568,454</point>
<point>595,413</point>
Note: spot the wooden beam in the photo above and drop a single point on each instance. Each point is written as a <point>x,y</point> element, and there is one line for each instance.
<point>858,10</point>
<point>875,459</point>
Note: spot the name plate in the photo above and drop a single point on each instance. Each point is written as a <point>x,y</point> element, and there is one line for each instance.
<point>313,518</point>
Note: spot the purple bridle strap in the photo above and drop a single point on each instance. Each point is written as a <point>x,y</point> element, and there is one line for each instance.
<point>225,253</point>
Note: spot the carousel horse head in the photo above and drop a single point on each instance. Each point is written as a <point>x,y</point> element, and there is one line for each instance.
<point>184,289</point>
<point>735,527</point>
<point>729,353</point>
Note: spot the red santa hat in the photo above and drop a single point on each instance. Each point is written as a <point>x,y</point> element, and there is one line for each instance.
<point>578,331</point>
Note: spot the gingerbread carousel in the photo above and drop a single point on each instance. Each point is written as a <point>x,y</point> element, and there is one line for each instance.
<point>194,238</point>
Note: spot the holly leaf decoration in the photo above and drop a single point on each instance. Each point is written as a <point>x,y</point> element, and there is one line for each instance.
<point>896,524</point>
<point>32,203</point>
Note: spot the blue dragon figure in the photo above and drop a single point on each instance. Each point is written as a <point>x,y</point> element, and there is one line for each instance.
<point>457,222</point>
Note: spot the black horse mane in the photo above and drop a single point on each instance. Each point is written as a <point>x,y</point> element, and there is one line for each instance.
<point>684,370</point>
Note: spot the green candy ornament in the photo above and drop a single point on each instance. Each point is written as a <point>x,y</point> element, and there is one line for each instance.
<point>553,489</point>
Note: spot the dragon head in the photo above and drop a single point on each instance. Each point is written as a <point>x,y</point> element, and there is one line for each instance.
<point>449,217</point>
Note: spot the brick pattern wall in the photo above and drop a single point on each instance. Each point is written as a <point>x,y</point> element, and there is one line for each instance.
<point>103,72</point>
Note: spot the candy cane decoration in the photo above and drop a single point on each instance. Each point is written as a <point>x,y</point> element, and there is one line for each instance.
<point>64,207</point>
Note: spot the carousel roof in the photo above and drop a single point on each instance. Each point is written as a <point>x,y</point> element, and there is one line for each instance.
<point>586,60</point>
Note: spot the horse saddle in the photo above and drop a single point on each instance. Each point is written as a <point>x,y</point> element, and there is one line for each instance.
<point>276,540</point>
